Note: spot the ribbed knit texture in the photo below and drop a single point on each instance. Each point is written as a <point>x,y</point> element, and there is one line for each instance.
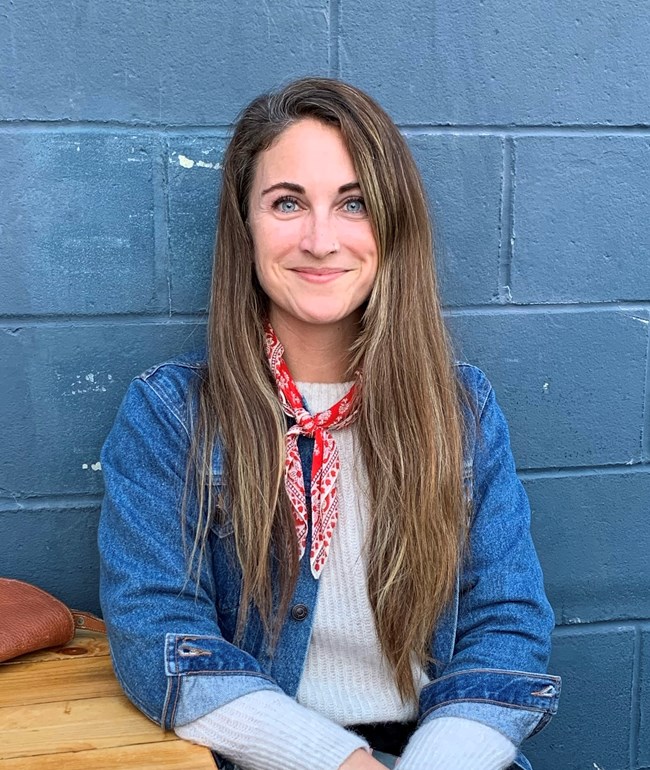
<point>269,731</point>
<point>345,679</point>
<point>451,743</point>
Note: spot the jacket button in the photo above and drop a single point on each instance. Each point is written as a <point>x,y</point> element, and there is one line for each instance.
<point>299,611</point>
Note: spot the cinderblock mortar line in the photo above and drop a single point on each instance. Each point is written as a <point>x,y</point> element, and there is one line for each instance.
<point>620,624</point>
<point>19,501</point>
<point>161,258</point>
<point>334,39</point>
<point>506,223</point>
<point>11,322</point>
<point>635,705</point>
<point>645,427</point>
<point>224,128</point>
<point>575,471</point>
<point>634,306</point>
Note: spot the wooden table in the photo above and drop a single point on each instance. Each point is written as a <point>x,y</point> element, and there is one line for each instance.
<point>64,710</point>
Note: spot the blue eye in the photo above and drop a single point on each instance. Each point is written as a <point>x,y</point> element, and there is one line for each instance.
<point>286,205</point>
<point>355,206</point>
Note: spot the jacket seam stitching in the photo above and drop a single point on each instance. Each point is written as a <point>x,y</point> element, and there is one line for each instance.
<point>494,671</point>
<point>485,400</point>
<point>191,637</point>
<point>167,404</point>
<point>504,704</point>
<point>172,717</point>
<point>175,705</point>
<point>156,368</point>
<point>167,721</point>
<point>484,381</point>
<point>134,698</point>
<point>228,672</point>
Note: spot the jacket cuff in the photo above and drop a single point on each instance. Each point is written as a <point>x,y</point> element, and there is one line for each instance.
<point>204,673</point>
<point>517,704</point>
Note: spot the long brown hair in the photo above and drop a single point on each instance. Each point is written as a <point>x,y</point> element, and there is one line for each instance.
<point>410,425</point>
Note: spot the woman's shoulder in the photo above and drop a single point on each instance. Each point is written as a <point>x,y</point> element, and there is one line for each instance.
<point>171,383</point>
<point>180,369</point>
<point>474,383</point>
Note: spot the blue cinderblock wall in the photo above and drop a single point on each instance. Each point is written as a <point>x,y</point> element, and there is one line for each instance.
<point>530,121</point>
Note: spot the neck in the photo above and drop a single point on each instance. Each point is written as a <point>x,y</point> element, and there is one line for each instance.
<point>316,352</point>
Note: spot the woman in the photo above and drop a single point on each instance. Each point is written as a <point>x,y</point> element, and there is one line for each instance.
<point>324,448</point>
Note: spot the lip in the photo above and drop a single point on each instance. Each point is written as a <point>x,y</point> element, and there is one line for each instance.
<point>319,274</point>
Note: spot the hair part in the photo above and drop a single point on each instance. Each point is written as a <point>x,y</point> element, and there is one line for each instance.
<point>410,423</point>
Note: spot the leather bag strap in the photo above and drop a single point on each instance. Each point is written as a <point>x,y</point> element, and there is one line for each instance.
<point>88,622</point>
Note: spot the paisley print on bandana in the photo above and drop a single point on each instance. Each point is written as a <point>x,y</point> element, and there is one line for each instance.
<point>325,463</point>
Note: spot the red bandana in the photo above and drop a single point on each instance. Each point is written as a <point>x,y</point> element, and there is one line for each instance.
<point>325,463</point>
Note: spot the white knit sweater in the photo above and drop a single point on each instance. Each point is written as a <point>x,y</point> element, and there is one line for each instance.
<point>345,679</point>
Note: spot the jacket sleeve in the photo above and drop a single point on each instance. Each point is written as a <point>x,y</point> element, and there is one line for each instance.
<point>167,648</point>
<point>496,674</point>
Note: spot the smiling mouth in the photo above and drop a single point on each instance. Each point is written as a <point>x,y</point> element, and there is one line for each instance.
<point>319,274</point>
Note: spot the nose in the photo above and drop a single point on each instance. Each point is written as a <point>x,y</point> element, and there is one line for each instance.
<point>319,237</point>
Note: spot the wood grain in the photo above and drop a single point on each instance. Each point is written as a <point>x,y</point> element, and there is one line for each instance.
<point>75,725</point>
<point>85,644</point>
<point>56,680</point>
<point>173,755</point>
<point>64,709</point>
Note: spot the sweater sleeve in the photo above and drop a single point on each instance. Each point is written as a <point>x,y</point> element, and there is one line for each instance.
<point>450,743</point>
<point>266,730</point>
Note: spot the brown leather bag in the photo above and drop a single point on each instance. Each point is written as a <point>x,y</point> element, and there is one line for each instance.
<point>31,619</point>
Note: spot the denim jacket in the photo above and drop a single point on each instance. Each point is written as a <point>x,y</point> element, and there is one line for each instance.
<point>171,635</point>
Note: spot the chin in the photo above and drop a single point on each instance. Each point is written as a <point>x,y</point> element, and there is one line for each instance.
<point>316,313</point>
<point>322,320</point>
<point>320,316</point>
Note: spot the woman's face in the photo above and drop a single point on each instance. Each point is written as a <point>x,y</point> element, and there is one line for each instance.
<point>315,253</point>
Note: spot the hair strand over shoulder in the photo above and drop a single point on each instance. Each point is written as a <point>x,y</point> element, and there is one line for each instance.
<point>411,418</point>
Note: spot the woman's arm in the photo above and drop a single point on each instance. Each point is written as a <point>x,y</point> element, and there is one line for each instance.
<point>167,647</point>
<point>496,674</point>
<point>454,743</point>
<point>271,731</point>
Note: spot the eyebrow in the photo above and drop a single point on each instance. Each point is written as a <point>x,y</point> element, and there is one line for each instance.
<point>301,190</point>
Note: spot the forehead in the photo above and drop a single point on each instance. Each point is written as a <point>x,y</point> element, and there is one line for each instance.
<point>306,151</point>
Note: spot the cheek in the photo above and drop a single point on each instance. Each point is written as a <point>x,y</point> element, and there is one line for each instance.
<point>269,258</point>
<point>264,272</point>
<point>372,261</point>
<point>262,250</point>
<point>272,242</point>
<point>368,248</point>
<point>362,240</point>
<point>371,278</point>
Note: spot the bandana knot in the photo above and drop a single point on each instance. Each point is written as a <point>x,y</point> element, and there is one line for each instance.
<point>325,461</point>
